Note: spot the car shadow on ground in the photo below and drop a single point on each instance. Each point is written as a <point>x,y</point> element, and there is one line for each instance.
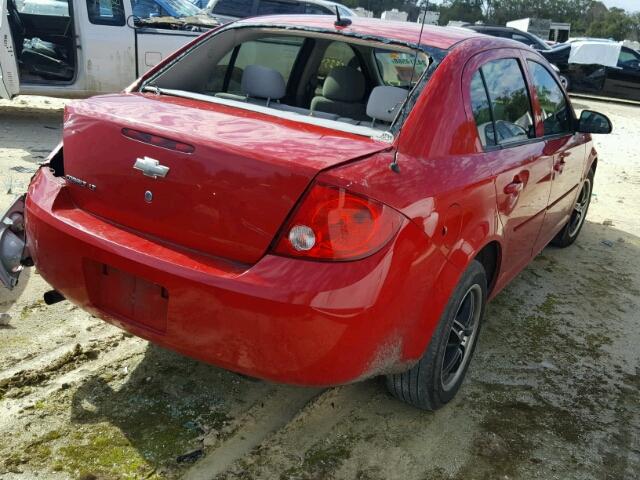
<point>553,377</point>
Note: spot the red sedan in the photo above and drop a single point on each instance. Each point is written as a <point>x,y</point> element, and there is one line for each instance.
<point>312,201</point>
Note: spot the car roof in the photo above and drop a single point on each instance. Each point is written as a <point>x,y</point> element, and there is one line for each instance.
<point>403,32</point>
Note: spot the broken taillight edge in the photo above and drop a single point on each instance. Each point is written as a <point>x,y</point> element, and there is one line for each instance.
<point>333,224</point>
<point>158,141</point>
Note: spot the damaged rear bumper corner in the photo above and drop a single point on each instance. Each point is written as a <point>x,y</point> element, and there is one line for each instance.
<point>14,254</point>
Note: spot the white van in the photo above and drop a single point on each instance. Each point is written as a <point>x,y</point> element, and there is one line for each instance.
<point>79,48</point>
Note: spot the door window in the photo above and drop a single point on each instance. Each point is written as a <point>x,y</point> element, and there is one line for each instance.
<point>509,100</point>
<point>106,12</point>
<point>628,59</point>
<point>556,115</point>
<point>58,8</point>
<point>482,111</point>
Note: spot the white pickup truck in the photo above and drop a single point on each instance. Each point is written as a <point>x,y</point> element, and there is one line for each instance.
<point>79,48</point>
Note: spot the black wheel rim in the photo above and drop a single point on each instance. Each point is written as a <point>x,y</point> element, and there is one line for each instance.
<point>580,209</point>
<point>462,336</point>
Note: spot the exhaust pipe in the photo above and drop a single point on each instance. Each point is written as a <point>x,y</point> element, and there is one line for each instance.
<point>53,296</point>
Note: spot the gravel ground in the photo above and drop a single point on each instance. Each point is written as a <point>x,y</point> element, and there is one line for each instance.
<point>551,394</point>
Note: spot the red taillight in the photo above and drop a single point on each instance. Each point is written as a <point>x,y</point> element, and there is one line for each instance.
<point>334,224</point>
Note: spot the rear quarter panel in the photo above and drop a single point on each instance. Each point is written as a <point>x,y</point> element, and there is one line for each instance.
<point>444,186</point>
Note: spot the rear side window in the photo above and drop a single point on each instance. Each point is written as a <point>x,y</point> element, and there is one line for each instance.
<point>59,8</point>
<point>509,101</point>
<point>482,111</point>
<point>234,8</point>
<point>556,115</point>
<point>106,12</point>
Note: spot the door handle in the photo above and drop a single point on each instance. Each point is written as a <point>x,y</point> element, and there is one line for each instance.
<point>514,188</point>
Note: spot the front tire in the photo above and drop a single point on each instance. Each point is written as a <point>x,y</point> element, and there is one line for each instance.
<point>572,229</point>
<point>437,377</point>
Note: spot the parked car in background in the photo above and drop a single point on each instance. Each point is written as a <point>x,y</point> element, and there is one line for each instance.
<point>526,38</point>
<point>78,48</point>
<point>599,67</point>
<point>225,207</point>
<point>164,8</point>
<point>229,10</point>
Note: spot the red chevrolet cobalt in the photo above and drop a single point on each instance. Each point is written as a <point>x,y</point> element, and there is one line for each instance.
<point>312,201</point>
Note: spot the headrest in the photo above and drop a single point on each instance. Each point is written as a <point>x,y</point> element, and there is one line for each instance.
<point>262,82</point>
<point>344,84</point>
<point>384,103</point>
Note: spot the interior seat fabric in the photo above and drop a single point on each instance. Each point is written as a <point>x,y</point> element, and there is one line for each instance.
<point>384,103</point>
<point>342,94</point>
<point>259,85</point>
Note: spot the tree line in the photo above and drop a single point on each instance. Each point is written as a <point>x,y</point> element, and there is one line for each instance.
<point>587,17</point>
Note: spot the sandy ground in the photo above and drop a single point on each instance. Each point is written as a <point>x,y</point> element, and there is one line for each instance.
<point>553,391</point>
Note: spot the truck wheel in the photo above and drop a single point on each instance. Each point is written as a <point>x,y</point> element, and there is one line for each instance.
<point>436,378</point>
<point>571,230</point>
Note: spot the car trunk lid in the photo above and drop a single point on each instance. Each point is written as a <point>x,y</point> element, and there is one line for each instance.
<point>208,177</point>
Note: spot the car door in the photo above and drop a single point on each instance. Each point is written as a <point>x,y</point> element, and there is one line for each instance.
<point>108,45</point>
<point>9,80</point>
<point>562,144</point>
<point>623,81</point>
<point>503,114</point>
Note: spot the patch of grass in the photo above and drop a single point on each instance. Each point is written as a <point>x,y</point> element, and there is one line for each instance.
<point>103,451</point>
<point>27,310</point>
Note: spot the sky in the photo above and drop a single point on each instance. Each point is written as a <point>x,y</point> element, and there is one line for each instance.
<point>629,5</point>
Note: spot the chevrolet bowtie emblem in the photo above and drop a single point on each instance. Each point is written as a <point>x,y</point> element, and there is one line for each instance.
<point>151,167</point>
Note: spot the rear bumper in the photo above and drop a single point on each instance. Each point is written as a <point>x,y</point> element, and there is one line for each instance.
<point>285,320</point>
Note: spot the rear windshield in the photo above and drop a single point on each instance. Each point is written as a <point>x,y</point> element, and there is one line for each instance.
<point>307,76</point>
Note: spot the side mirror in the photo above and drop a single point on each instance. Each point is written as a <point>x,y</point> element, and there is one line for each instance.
<point>594,122</point>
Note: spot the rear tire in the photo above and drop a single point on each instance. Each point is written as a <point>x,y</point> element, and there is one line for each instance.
<point>571,230</point>
<point>437,377</point>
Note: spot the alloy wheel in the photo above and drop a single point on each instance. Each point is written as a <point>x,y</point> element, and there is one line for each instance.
<point>580,210</point>
<point>461,337</point>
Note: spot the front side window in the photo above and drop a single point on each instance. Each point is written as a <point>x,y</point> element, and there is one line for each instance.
<point>628,59</point>
<point>106,12</point>
<point>509,99</point>
<point>397,68</point>
<point>556,115</point>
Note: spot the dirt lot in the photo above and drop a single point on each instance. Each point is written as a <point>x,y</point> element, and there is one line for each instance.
<point>553,392</point>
